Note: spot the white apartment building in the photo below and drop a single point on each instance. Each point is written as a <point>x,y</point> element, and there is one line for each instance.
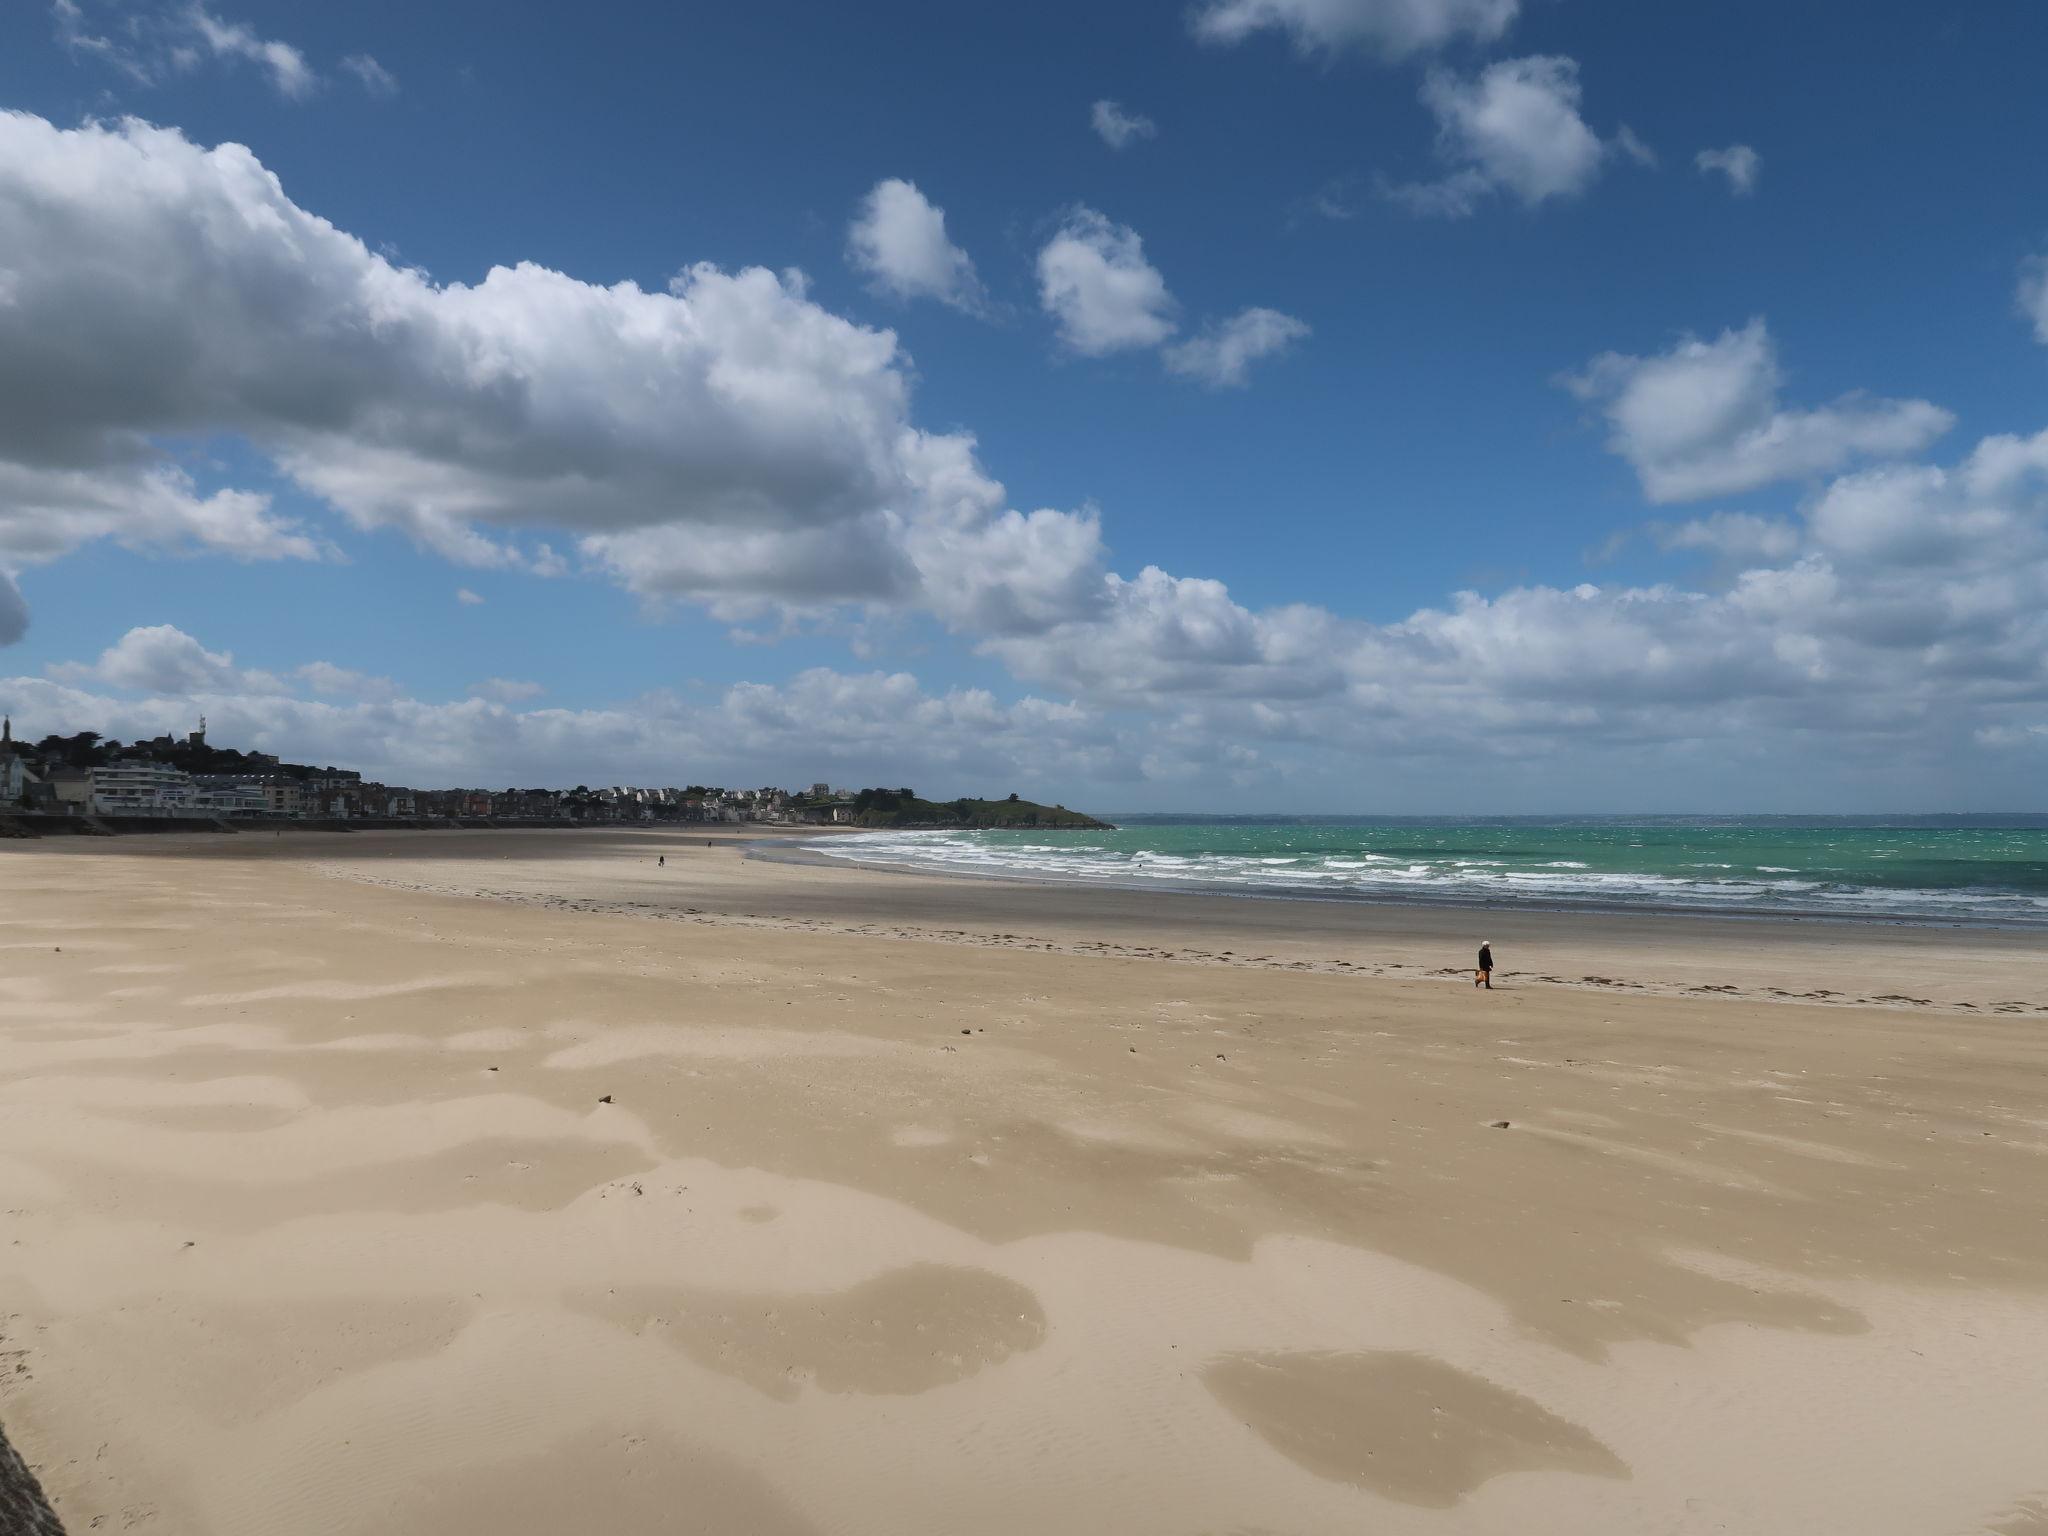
<point>228,799</point>
<point>140,787</point>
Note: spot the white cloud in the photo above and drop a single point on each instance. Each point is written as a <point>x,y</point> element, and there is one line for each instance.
<point>468,598</point>
<point>75,35</point>
<point>1392,29</point>
<point>375,78</point>
<point>163,659</point>
<point>1738,162</point>
<point>47,510</point>
<point>328,680</point>
<point>1627,142</point>
<point>727,440</point>
<point>506,690</point>
<point>1118,128</point>
<point>1907,608</point>
<point>1221,353</point>
<point>898,239</point>
<point>732,441</point>
<point>1159,635</point>
<point>2033,295</point>
<point>1733,536</point>
<point>1103,295</point>
<point>1515,128</point>
<point>284,64</point>
<point>1703,419</point>
<point>874,727</point>
<point>1897,626</point>
<point>152,43</point>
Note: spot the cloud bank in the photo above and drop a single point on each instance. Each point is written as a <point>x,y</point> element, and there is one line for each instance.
<point>729,440</point>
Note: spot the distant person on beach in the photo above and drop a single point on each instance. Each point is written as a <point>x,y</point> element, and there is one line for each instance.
<point>661,861</point>
<point>1483,977</point>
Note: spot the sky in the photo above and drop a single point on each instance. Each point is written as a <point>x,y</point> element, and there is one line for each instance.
<point>1410,406</point>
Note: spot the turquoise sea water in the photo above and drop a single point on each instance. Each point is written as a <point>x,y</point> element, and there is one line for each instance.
<point>1929,869</point>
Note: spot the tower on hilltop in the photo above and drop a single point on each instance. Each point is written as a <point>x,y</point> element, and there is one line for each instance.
<point>198,737</point>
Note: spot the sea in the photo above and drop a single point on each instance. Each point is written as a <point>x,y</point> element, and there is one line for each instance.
<point>1975,870</point>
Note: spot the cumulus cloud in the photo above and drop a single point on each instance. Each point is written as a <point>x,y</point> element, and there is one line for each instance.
<point>506,690</point>
<point>898,239</point>
<point>467,598</point>
<point>875,727</point>
<point>1900,619</point>
<point>1220,355</point>
<point>1118,128</point>
<point>329,680</point>
<point>1904,609</point>
<point>1733,536</point>
<point>1104,296</point>
<point>1392,29</point>
<point>1738,162</point>
<point>375,78</point>
<point>161,658</point>
<point>730,440</point>
<point>1703,419</point>
<point>1515,128</point>
<point>47,510</point>
<point>727,440</point>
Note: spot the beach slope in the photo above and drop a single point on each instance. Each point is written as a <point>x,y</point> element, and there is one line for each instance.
<point>501,1184</point>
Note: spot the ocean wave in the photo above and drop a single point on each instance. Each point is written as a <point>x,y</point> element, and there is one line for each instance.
<point>1701,885</point>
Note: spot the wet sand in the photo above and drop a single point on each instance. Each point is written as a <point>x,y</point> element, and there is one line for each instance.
<point>736,1196</point>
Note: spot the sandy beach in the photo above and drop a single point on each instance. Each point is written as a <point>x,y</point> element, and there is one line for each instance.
<point>491,1183</point>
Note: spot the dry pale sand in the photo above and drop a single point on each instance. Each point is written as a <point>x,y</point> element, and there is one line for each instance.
<point>922,1205</point>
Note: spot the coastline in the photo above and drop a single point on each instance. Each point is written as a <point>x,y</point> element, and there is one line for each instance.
<point>777,851</point>
<point>487,1185</point>
<point>1958,970</point>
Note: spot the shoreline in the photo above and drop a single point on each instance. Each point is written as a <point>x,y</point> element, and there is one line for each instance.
<point>736,883</point>
<point>1955,971</point>
<point>1590,907</point>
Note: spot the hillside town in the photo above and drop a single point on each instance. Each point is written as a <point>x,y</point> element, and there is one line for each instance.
<point>184,778</point>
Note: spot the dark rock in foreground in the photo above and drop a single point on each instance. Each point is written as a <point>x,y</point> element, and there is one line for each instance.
<point>23,1509</point>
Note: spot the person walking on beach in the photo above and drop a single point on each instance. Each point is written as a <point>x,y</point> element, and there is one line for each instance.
<point>1483,977</point>
<point>661,861</point>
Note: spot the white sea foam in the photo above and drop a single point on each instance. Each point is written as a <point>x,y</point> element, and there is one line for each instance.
<point>1455,876</point>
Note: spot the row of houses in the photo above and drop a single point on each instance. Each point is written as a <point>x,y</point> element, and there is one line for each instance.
<point>139,782</point>
<point>145,786</point>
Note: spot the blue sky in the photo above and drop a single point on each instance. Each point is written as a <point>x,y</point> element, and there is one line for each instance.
<point>1804,488</point>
